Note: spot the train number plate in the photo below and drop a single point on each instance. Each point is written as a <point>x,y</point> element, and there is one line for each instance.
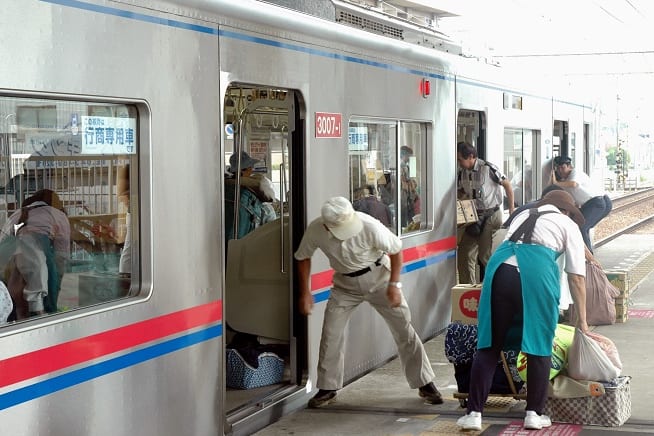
<point>328,125</point>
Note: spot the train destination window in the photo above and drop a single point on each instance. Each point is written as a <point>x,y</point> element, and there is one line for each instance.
<point>385,155</point>
<point>67,215</point>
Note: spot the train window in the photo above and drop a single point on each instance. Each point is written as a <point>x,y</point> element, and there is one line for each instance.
<point>382,156</point>
<point>519,159</point>
<point>471,128</point>
<point>67,236</point>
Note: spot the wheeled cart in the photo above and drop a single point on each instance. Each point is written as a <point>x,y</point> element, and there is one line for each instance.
<point>460,346</point>
<point>502,381</point>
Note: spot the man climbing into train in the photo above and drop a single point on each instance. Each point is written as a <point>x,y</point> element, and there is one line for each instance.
<point>593,202</point>
<point>367,259</point>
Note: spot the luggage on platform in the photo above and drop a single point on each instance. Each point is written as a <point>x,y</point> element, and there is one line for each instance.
<point>460,347</point>
<point>611,409</point>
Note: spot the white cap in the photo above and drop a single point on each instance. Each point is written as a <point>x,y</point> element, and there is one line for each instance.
<point>340,218</point>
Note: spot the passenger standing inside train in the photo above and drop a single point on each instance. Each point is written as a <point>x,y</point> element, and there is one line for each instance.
<point>594,203</point>
<point>482,182</point>
<point>120,235</point>
<point>367,259</point>
<point>409,195</point>
<point>523,278</point>
<point>367,202</point>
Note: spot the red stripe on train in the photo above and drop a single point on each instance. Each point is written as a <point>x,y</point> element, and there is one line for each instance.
<point>323,279</point>
<point>426,250</point>
<point>57,357</point>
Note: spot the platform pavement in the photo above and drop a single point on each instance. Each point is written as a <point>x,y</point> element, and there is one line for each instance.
<point>381,403</point>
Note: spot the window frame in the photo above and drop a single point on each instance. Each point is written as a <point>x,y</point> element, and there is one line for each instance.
<point>423,168</point>
<point>65,106</point>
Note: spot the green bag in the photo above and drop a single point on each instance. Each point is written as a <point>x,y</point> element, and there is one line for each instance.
<point>563,336</point>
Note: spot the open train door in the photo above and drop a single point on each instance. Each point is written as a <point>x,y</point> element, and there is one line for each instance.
<point>264,362</point>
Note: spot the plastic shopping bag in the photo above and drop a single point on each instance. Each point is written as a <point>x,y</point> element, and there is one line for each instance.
<point>609,348</point>
<point>588,361</point>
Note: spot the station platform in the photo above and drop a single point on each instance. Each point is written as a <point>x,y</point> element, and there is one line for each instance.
<point>381,403</point>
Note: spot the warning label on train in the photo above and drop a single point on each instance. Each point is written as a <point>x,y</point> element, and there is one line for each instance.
<point>328,125</point>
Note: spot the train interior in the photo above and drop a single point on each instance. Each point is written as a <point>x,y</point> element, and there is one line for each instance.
<point>258,294</point>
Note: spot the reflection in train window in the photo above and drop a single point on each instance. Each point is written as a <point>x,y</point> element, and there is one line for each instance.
<point>67,237</point>
<point>384,155</point>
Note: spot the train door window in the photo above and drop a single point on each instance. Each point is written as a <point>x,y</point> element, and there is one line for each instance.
<point>589,155</point>
<point>413,175</point>
<point>384,155</point>
<point>519,145</point>
<point>471,128</point>
<point>572,147</point>
<point>69,235</point>
<point>560,139</point>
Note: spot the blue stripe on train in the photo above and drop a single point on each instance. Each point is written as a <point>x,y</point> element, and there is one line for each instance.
<point>60,382</point>
<point>258,40</point>
<point>240,36</point>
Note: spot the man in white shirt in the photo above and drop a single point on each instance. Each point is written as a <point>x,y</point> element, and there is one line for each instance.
<point>367,259</point>
<point>592,201</point>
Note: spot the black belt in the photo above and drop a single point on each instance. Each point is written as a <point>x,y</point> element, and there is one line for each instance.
<point>488,211</point>
<point>365,270</point>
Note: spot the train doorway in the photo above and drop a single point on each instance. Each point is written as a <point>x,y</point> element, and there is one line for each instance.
<point>263,189</point>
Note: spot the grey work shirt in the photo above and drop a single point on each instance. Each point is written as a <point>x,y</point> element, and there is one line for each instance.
<point>482,184</point>
<point>354,254</point>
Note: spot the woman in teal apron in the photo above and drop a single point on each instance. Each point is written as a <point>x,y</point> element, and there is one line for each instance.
<point>523,281</point>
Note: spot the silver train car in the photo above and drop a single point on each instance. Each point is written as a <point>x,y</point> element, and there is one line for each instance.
<point>128,111</point>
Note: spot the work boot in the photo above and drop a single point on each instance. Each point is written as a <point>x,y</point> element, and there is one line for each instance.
<point>430,394</point>
<point>322,398</point>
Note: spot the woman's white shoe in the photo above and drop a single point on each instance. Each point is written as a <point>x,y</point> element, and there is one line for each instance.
<point>534,421</point>
<point>471,421</point>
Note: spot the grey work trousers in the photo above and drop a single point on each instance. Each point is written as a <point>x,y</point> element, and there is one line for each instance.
<point>476,248</point>
<point>347,293</point>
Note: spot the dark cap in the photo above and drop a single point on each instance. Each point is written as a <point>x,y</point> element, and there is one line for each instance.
<point>246,161</point>
<point>562,160</point>
<point>563,201</point>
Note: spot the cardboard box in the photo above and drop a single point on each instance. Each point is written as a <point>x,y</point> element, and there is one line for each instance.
<point>619,279</point>
<point>621,301</point>
<point>465,303</point>
<point>96,288</point>
<point>621,310</point>
<point>466,213</point>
